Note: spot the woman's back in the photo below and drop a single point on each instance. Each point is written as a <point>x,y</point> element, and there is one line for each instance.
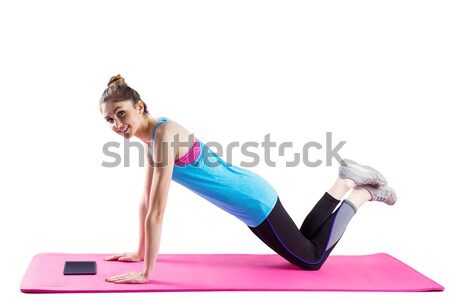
<point>241,192</point>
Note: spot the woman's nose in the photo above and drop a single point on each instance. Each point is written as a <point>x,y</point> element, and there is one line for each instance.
<point>117,124</point>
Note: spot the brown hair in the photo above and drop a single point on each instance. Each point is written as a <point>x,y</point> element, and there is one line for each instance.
<point>118,90</point>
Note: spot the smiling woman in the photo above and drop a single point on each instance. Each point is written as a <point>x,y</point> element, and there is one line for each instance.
<point>238,191</point>
<point>122,114</point>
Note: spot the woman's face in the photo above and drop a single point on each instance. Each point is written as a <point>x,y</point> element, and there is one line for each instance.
<point>122,116</point>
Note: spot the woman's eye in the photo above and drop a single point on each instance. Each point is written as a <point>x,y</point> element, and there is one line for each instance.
<point>121,113</point>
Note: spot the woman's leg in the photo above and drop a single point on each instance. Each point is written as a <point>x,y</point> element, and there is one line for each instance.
<point>309,251</point>
<point>280,233</point>
<point>334,227</point>
<point>325,206</point>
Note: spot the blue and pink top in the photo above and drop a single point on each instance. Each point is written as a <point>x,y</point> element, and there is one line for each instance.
<point>238,191</point>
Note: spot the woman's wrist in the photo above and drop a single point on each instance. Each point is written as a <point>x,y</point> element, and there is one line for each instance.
<point>141,252</point>
<point>147,273</point>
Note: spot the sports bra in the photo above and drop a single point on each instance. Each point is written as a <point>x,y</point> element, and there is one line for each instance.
<point>240,192</point>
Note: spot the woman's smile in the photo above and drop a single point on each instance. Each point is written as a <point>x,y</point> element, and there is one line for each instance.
<point>123,130</point>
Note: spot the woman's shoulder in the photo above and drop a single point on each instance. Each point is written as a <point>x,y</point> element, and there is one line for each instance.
<point>170,128</point>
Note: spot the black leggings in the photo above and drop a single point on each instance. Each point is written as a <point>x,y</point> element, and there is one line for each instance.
<point>309,247</point>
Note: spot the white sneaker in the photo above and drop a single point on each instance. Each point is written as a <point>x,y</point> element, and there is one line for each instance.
<point>384,194</point>
<point>361,174</point>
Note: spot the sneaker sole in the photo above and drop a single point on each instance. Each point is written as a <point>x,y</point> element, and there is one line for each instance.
<point>391,190</point>
<point>362,171</point>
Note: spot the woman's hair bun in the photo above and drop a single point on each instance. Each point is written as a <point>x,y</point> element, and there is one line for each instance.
<point>116,80</point>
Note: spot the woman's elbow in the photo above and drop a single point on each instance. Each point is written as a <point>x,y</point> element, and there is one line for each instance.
<point>155,217</point>
<point>143,205</point>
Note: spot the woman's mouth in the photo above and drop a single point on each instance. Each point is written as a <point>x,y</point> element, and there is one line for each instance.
<point>123,130</point>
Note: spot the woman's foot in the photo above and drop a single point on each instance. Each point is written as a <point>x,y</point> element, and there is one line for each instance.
<point>384,194</point>
<point>361,174</point>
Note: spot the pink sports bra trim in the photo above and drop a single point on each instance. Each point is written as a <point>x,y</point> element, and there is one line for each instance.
<point>190,156</point>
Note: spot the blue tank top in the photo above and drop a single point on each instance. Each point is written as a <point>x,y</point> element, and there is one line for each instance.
<point>238,191</point>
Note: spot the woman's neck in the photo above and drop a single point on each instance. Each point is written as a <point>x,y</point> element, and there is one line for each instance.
<point>144,133</point>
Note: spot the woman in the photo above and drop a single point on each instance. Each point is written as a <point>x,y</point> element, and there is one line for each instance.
<point>244,194</point>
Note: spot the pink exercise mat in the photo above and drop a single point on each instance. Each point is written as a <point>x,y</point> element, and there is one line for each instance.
<point>228,272</point>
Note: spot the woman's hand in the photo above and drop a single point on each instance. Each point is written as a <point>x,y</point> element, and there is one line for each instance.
<point>126,256</point>
<point>130,277</point>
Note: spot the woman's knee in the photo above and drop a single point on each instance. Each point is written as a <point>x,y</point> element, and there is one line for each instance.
<point>309,267</point>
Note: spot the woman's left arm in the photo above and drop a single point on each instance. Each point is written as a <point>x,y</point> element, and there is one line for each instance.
<point>164,157</point>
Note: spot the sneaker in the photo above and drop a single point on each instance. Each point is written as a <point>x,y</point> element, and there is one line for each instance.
<point>361,174</point>
<point>381,193</point>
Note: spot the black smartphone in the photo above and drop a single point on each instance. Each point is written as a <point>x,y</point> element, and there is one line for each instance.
<point>80,268</point>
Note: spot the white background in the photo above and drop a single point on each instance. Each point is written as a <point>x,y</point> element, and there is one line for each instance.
<point>375,73</point>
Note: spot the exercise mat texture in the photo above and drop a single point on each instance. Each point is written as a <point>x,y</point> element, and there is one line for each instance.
<point>228,272</point>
